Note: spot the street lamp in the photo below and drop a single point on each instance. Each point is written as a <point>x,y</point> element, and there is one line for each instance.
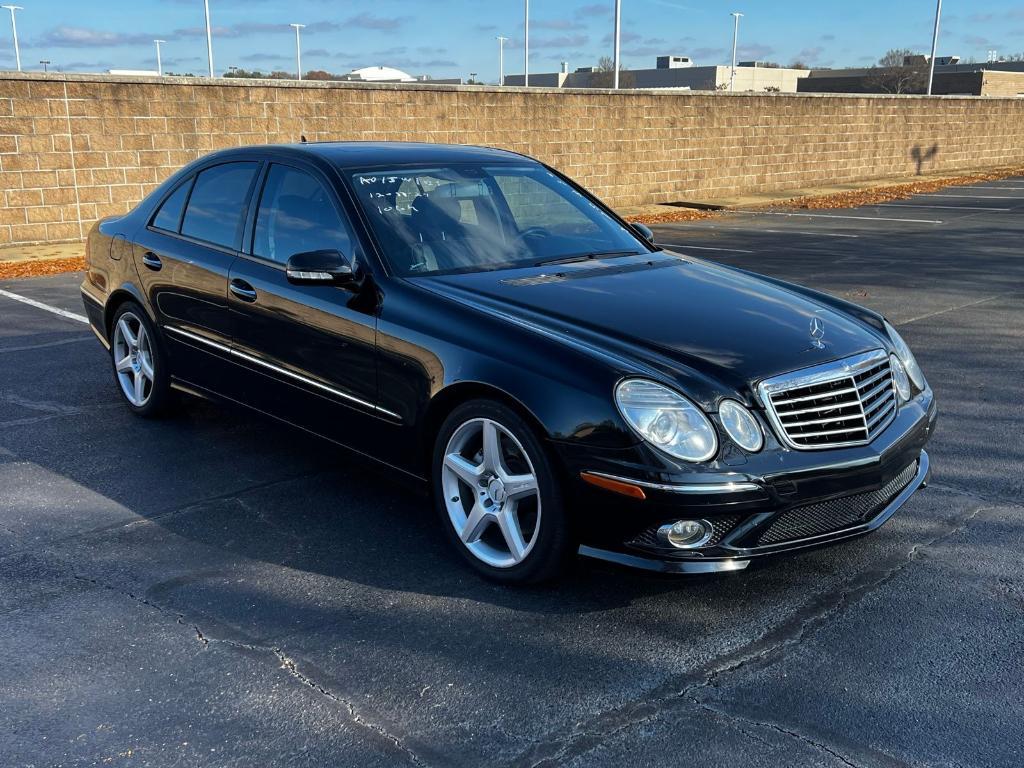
<point>14,29</point>
<point>46,64</point>
<point>618,14</point>
<point>298,48</point>
<point>935,44</point>
<point>472,78</point>
<point>159,64</point>
<point>735,38</point>
<point>209,36</point>
<point>525,47</point>
<point>501,60</point>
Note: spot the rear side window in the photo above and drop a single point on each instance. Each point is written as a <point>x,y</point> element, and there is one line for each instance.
<point>168,216</point>
<point>216,208</point>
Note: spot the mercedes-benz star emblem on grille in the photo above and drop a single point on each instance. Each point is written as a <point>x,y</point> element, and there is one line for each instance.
<point>817,333</point>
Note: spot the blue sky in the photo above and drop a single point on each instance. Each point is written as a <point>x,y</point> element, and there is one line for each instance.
<point>450,38</point>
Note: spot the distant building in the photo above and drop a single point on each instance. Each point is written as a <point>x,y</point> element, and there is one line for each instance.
<point>379,75</point>
<point>134,72</point>
<point>392,75</point>
<point>677,72</point>
<point>951,78</point>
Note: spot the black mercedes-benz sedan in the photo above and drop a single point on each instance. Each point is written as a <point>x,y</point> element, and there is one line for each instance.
<point>473,319</point>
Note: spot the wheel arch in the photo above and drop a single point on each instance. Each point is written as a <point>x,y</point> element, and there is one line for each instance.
<point>116,299</point>
<point>451,397</point>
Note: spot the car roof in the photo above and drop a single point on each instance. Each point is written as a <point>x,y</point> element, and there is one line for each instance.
<point>353,154</point>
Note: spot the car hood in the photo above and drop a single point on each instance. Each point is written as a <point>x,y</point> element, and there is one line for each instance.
<point>671,313</point>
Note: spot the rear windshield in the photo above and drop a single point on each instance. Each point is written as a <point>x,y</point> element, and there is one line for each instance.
<point>467,218</point>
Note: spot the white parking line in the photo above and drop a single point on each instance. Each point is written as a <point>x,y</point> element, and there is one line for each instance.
<point>783,232</point>
<point>836,216</point>
<point>941,207</point>
<point>700,247</point>
<point>47,307</point>
<point>976,197</point>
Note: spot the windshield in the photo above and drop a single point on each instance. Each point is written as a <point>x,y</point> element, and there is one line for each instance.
<point>470,218</point>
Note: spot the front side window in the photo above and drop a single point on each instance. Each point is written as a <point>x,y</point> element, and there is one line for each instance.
<point>296,215</point>
<point>473,217</point>
<point>217,206</point>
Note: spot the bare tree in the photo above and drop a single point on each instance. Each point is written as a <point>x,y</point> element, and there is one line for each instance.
<point>894,75</point>
<point>895,57</point>
<point>604,75</point>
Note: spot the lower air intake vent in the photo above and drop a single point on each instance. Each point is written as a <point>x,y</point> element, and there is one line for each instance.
<point>835,515</point>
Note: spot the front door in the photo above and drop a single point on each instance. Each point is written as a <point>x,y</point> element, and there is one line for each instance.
<point>309,350</point>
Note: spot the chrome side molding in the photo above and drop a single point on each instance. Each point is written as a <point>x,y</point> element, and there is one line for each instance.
<point>282,371</point>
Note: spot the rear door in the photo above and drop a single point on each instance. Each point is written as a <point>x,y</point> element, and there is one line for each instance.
<point>310,350</point>
<point>183,257</point>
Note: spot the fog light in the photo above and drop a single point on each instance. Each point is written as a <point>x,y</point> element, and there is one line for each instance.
<point>686,534</point>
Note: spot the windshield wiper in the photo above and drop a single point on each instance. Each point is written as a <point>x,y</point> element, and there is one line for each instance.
<point>584,257</point>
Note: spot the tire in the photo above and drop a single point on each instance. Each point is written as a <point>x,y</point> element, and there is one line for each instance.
<point>136,353</point>
<point>506,517</point>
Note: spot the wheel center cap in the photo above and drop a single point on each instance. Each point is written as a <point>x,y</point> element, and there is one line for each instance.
<point>496,490</point>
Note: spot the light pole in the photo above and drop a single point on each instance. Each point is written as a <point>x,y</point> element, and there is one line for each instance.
<point>159,64</point>
<point>525,47</point>
<point>935,45</point>
<point>14,29</point>
<point>46,64</point>
<point>501,59</point>
<point>209,36</point>
<point>618,15</point>
<point>735,39</point>
<point>298,48</point>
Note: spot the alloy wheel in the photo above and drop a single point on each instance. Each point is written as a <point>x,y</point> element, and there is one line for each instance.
<point>133,359</point>
<point>491,493</point>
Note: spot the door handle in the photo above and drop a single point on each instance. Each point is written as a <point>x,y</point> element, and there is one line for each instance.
<point>242,290</point>
<point>152,261</point>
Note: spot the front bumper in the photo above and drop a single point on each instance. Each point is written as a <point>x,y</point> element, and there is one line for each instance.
<point>770,503</point>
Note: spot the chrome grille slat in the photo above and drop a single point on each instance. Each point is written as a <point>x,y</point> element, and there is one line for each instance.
<point>834,419</point>
<point>843,403</point>
<point>877,377</point>
<point>851,390</point>
<point>877,390</point>
<point>819,409</point>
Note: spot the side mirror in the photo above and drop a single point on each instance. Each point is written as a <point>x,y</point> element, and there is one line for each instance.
<point>645,231</point>
<point>320,268</point>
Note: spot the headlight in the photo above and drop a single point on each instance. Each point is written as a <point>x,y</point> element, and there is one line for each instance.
<point>899,377</point>
<point>741,426</point>
<point>906,357</point>
<point>666,420</point>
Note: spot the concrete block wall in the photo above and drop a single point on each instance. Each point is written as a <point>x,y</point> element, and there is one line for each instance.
<point>74,148</point>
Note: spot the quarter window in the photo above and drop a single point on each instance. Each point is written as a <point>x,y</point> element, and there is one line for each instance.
<point>168,216</point>
<point>297,215</point>
<point>217,206</point>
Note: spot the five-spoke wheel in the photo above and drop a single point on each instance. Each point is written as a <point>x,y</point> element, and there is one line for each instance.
<point>133,359</point>
<point>137,360</point>
<point>497,495</point>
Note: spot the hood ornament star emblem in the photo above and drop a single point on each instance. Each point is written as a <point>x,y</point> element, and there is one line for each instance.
<point>817,331</point>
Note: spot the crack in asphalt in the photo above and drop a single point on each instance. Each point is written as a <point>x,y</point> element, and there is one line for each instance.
<point>765,650</point>
<point>286,663</point>
<point>777,728</point>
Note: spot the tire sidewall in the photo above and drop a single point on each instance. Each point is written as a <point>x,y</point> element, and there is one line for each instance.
<point>553,549</point>
<point>160,394</point>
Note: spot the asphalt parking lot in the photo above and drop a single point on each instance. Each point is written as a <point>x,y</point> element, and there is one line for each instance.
<point>215,590</point>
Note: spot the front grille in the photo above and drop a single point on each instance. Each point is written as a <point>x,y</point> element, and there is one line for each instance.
<point>847,402</point>
<point>835,515</point>
<point>648,539</point>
